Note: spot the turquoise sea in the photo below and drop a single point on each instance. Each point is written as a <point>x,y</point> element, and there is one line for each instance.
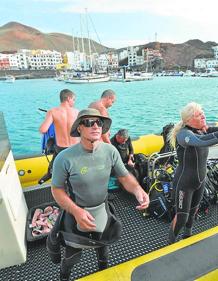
<point>143,107</point>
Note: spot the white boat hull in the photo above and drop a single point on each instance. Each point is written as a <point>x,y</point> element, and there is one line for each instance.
<point>9,79</point>
<point>88,80</point>
<point>131,77</point>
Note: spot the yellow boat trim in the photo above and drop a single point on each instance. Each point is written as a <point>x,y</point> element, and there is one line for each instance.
<point>32,168</point>
<point>148,144</point>
<point>211,276</point>
<point>122,272</point>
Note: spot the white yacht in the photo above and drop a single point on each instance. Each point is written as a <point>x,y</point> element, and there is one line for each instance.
<point>132,76</point>
<point>210,72</point>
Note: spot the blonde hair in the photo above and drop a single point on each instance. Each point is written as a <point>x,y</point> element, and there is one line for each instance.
<point>186,114</point>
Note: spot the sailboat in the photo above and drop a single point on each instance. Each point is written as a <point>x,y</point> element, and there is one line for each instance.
<point>88,77</point>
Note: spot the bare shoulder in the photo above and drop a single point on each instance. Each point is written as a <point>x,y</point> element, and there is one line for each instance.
<point>94,104</point>
<point>75,112</point>
<point>99,106</point>
<point>55,110</point>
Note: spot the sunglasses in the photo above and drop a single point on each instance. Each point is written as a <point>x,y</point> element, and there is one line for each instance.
<point>91,122</point>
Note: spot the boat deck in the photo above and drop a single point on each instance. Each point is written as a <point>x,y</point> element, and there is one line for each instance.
<point>141,235</point>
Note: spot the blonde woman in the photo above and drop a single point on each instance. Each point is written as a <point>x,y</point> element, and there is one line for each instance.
<point>191,137</point>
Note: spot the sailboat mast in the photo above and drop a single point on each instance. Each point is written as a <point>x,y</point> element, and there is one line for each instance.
<point>147,60</point>
<point>81,30</point>
<point>78,43</point>
<point>83,49</point>
<point>73,41</point>
<point>90,52</point>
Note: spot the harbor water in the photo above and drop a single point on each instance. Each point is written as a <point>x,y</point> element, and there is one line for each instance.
<point>142,107</point>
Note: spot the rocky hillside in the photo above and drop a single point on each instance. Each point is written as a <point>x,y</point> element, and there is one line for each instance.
<point>14,36</point>
<point>182,55</point>
<point>178,56</point>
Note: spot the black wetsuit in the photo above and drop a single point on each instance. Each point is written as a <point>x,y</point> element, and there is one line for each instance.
<point>125,149</point>
<point>192,148</point>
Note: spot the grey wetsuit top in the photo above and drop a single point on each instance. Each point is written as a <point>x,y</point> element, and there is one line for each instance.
<point>88,172</point>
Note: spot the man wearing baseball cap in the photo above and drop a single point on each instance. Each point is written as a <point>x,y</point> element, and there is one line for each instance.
<point>87,220</point>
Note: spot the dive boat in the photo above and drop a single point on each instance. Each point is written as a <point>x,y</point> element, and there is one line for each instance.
<point>142,253</point>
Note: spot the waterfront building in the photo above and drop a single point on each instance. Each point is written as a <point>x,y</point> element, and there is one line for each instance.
<point>123,55</point>
<point>215,50</point>
<point>132,55</point>
<point>107,61</point>
<point>44,59</point>
<point>21,57</point>
<point>4,62</point>
<point>76,60</point>
<point>212,63</point>
<point>14,61</point>
<point>113,60</point>
<point>102,62</point>
<point>204,63</point>
<point>200,63</point>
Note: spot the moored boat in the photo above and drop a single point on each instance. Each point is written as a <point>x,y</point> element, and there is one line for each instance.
<point>210,72</point>
<point>9,79</point>
<point>131,77</point>
<point>93,78</point>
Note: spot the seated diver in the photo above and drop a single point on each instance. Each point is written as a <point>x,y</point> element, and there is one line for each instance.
<point>122,141</point>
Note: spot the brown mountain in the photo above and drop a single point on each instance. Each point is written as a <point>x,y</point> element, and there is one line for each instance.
<point>14,36</point>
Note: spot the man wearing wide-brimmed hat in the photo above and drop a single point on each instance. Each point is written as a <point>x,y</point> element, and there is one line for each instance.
<point>88,221</point>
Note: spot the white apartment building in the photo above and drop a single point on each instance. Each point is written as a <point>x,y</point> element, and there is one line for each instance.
<point>102,62</point>
<point>44,59</point>
<point>200,63</point>
<point>212,63</point>
<point>132,55</point>
<point>81,61</point>
<point>22,62</point>
<point>76,60</point>
<point>113,60</point>
<point>123,55</point>
<point>207,63</point>
<point>16,60</point>
<point>140,60</point>
<point>215,49</point>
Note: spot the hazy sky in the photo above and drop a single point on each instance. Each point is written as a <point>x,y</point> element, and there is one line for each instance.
<point>119,23</point>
